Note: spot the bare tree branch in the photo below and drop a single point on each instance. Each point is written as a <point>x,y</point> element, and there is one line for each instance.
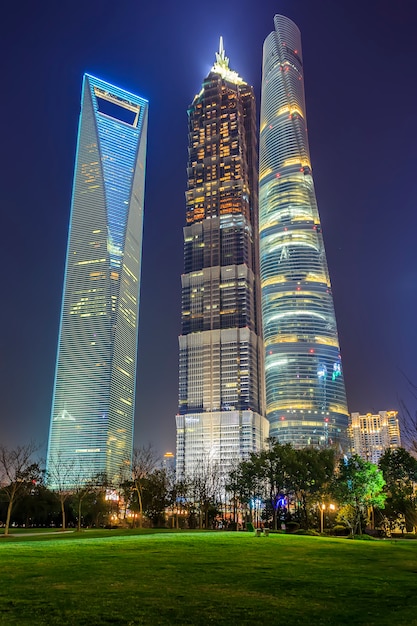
<point>17,469</point>
<point>144,462</point>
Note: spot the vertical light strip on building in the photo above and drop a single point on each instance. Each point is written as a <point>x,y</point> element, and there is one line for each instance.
<point>305,391</point>
<point>91,428</point>
<point>221,398</point>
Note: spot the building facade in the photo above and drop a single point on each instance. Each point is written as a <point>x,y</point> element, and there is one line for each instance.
<point>221,396</point>
<point>91,427</point>
<point>370,435</point>
<point>305,391</point>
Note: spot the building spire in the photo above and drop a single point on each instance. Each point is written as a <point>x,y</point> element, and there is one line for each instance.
<point>221,48</point>
<point>221,66</point>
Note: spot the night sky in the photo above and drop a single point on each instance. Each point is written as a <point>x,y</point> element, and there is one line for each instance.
<point>361,91</point>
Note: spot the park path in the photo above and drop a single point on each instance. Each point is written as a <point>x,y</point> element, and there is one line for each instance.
<point>52,532</point>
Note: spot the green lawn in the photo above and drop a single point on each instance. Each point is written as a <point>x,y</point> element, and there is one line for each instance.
<point>112,577</point>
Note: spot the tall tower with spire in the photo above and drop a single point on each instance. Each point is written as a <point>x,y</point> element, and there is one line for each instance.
<point>305,390</point>
<point>221,391</point>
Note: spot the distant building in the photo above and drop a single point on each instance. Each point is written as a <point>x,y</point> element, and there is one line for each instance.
<point>370,435</point>
<point>305,389</point>
<point>221,390</point>
<point>91,427</point>
<point>168,462</point>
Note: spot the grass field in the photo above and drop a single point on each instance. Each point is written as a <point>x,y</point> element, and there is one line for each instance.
<point>107,577</point>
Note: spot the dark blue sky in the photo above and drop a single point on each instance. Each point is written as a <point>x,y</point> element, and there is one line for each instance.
<point>361,91</point>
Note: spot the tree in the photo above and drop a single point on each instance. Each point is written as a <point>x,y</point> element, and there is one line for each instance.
<point>96,509</point>
<point>273,467</point>
<point>264,476</point>
<point>346,516</point>
<point>204,488</point>
<point>59,471</point>
<point>278,472</point>
<point>178,494</point>
<point>409,420</point>
<point>359,484</point>
<point>156,496</point>
<point>245,484</point>
<point>83,487</point>
<point>399,469</point>
<point>36,506</point>
<point>144,462</point>
<point>18,472</point>
<point>309,472</point>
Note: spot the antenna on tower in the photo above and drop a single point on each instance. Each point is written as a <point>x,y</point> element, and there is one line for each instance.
<point>221,58</point>
<point>221,66</point>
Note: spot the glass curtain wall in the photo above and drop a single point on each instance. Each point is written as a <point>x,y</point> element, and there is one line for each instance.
<point>305,391</point>
<point>221,395</point>
<point>91,428</point>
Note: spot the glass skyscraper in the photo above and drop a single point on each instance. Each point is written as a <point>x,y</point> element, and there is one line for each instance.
<point>221,395</point>
<point>91,428</point>
<point>305,390</point>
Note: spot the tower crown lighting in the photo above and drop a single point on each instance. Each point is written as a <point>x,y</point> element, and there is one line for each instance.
<point>221,67</point>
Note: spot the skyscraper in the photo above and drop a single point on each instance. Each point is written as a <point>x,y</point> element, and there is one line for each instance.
<point>91,428</point>
<point>220,371</point>
<point>305,391</point>
<point>370,435</point>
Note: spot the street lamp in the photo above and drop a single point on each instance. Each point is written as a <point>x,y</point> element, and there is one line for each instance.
<point>256,504</point>
<point>322,509</point>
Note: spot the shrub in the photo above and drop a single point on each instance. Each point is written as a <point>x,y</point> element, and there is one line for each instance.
<point>362,537</point>
<point>339,530</point>
<point>310,533</point>
<point>292,527</point>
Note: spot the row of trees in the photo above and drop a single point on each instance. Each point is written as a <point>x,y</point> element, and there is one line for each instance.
<point>296,484</point>
<point>279,485</point>
<point>280,474</point>
<point>24,491</point>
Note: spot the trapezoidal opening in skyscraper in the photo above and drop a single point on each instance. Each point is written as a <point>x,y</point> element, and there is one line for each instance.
<point>91,428</point>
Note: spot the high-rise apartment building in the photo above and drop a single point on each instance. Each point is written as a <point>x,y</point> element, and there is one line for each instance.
<point>91,428</point>
<point>220,371</point>
<point>370,435</point>
<point>305,391</point>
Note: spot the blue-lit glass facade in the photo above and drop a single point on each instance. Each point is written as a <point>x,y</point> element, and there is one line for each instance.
<point>305,391</point>
<point>91,428</point>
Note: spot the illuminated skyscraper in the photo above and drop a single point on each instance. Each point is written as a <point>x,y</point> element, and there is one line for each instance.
<point>370,435</point>
<point>220,373</point>
<point>305,391</point>
<point>93,404</point>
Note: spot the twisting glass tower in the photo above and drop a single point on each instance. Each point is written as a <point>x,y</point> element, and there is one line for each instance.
<point>220,372</point>
<point>91,427</point>
<point>305,391</point>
